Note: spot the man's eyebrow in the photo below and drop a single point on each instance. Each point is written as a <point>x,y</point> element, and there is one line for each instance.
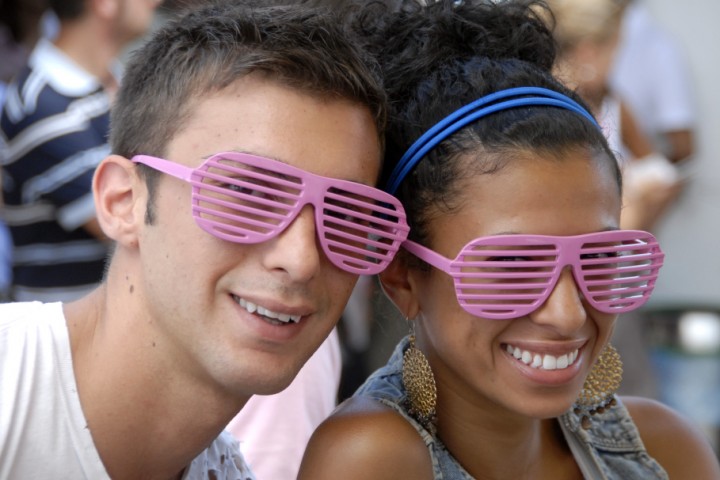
<point>255,154</point>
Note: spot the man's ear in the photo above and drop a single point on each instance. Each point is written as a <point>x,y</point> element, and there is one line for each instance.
<point>120,199</point>
<point>398,283</point>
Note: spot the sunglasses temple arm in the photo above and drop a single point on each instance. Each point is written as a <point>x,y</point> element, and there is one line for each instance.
<point>166,166</point>
<point>424,253</point>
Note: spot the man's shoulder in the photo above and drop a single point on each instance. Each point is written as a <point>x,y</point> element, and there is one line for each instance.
<point>22,315</point>
<point>13,311</point>
<point>44,429</point>
<point>221,460</point>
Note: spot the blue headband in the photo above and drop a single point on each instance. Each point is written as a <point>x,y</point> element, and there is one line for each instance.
<point>475,111</point>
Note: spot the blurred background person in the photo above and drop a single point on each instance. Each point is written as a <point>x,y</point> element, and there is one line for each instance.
<point>54,129</point>
<point>22,22</point>
<point>20,27</point>
<point>651,73</point>
<point>588,32</point>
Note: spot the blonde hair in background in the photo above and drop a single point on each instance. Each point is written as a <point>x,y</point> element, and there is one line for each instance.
<point>585,20</point>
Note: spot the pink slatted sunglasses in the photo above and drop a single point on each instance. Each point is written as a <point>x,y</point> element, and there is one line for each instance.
<point>509,276</point>
<point>248,199</point>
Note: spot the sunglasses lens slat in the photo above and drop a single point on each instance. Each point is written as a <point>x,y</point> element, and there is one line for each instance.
<point>249,221</point>
<point>501,291</point>
<point>369,253</point>
<point>619,275</point>
<point>353,243</point>
<point>490,275</point>
<point>506,298</point>
<point>362,227</point>
<point>231,210</point>
<point>243,187</point>
<point>255,168</point>
<point>357,252</point>
<point>379,203</point>
<point>250,231</point>
<point>499,280</point>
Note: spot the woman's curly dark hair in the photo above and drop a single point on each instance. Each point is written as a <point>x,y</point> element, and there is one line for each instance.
<point>435,58</point>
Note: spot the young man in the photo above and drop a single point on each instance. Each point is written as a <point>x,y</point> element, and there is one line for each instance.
<point>224,279</point>
<point>54,130</point>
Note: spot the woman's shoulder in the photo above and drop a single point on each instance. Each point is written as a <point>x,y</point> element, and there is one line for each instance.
<point>364,438</point>
<point>680,447</point>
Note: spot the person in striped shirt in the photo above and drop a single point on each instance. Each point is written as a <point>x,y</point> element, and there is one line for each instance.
<point>53,133</point>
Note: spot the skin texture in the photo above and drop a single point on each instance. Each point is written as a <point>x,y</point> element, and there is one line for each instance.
<point>485,396</point>
<point>680,448</point>
<point>163,355</point>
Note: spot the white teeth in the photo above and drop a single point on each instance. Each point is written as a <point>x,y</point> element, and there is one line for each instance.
<point>549,362</point>
<point>252,308</point>
<point>249,306</point>
<point>546,362</point>
<point>562,362</point>
<point>537,361</point>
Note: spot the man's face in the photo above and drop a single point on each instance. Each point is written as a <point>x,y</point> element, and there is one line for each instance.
<point>213,300</point>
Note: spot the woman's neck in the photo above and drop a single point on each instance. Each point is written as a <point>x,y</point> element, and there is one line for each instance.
<point>500,445</point>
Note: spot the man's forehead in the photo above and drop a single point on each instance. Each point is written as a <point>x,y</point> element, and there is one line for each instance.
<point>330,137</point>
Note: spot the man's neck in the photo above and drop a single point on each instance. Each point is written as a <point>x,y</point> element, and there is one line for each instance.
<point>147,419</point>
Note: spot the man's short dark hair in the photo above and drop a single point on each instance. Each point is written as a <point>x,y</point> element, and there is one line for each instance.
<point>211,47</point>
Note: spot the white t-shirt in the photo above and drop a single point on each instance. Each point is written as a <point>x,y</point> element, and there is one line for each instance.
<point>651,74</point>
<point>43,431</point>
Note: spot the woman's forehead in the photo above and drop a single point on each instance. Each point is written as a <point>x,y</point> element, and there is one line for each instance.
<point>569,194</point>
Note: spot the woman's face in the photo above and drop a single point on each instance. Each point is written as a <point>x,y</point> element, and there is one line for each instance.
<point>569,194</point>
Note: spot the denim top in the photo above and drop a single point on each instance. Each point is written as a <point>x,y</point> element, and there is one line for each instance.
<point>611,449</point>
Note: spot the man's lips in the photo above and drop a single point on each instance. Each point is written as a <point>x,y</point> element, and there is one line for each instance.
<point>282,318</point>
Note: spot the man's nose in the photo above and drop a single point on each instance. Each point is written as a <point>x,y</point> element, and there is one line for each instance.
<point>296,249</point>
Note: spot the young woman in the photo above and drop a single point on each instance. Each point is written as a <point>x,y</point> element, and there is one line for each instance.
<point>514,275</point>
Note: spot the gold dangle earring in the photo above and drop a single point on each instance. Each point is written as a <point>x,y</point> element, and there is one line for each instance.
<point>419,383</point>
<point>598,392</point>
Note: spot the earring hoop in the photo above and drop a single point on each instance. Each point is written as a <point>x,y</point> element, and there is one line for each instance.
<point>598,392</point>
<point>419,383</point>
